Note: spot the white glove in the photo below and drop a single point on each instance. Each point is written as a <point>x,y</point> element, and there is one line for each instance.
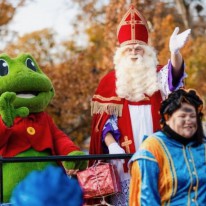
<point>177,41</point>
<point>114,148</point>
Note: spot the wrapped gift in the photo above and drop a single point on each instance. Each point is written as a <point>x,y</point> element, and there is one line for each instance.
<point>99,180</point>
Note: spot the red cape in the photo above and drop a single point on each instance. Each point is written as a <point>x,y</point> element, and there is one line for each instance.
<point>106,102</point>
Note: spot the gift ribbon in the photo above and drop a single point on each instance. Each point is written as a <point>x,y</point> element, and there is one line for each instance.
<point>95,165</point>
<point>103,201</point>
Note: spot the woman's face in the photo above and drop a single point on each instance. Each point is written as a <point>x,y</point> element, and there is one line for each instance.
<point>184,120</point>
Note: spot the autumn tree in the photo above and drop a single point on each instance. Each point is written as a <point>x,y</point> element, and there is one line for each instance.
<point>76,68</point>
<point>40,44</point>
<point>74,82</point>
<point>7,13</point>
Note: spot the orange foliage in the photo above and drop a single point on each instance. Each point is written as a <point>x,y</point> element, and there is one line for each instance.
<point>75,71</point>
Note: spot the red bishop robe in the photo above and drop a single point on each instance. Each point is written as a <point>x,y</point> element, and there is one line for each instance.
<point>105,102</point>
<point>36,131</point>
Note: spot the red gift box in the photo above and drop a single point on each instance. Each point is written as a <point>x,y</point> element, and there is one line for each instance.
<point>99,180</point>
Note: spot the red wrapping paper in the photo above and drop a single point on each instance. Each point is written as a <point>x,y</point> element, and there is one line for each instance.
<point>99,180</point>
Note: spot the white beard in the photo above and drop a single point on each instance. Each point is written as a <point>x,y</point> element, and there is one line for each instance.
<point>134,79</point>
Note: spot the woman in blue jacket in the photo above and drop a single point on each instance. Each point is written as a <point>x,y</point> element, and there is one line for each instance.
<point>170,166</point>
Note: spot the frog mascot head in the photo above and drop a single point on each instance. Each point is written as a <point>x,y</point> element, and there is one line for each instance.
<point>25,128</point>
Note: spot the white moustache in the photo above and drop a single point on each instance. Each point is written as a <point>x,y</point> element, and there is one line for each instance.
<point>135,56</point>
<point>135,59</point>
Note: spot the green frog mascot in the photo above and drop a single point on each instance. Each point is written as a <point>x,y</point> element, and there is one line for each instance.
<point>25,128</point>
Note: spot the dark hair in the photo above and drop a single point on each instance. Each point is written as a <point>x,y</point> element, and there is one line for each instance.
<point>174,101</point>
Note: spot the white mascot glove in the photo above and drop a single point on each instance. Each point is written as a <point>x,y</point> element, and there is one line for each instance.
<point>114,148</point>
<point>177,41</point>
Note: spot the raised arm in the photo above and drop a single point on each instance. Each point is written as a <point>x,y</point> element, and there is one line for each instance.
<point>177,41</point>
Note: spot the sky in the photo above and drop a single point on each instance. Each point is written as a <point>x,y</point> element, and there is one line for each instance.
<point>40,14</point>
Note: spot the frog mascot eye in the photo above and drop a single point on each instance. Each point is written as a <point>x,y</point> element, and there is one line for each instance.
<point>30,64</point>
<point>26,130</point>
<point>4,68</point>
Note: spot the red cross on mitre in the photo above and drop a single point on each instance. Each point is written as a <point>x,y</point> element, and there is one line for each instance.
<point>133,28</point>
